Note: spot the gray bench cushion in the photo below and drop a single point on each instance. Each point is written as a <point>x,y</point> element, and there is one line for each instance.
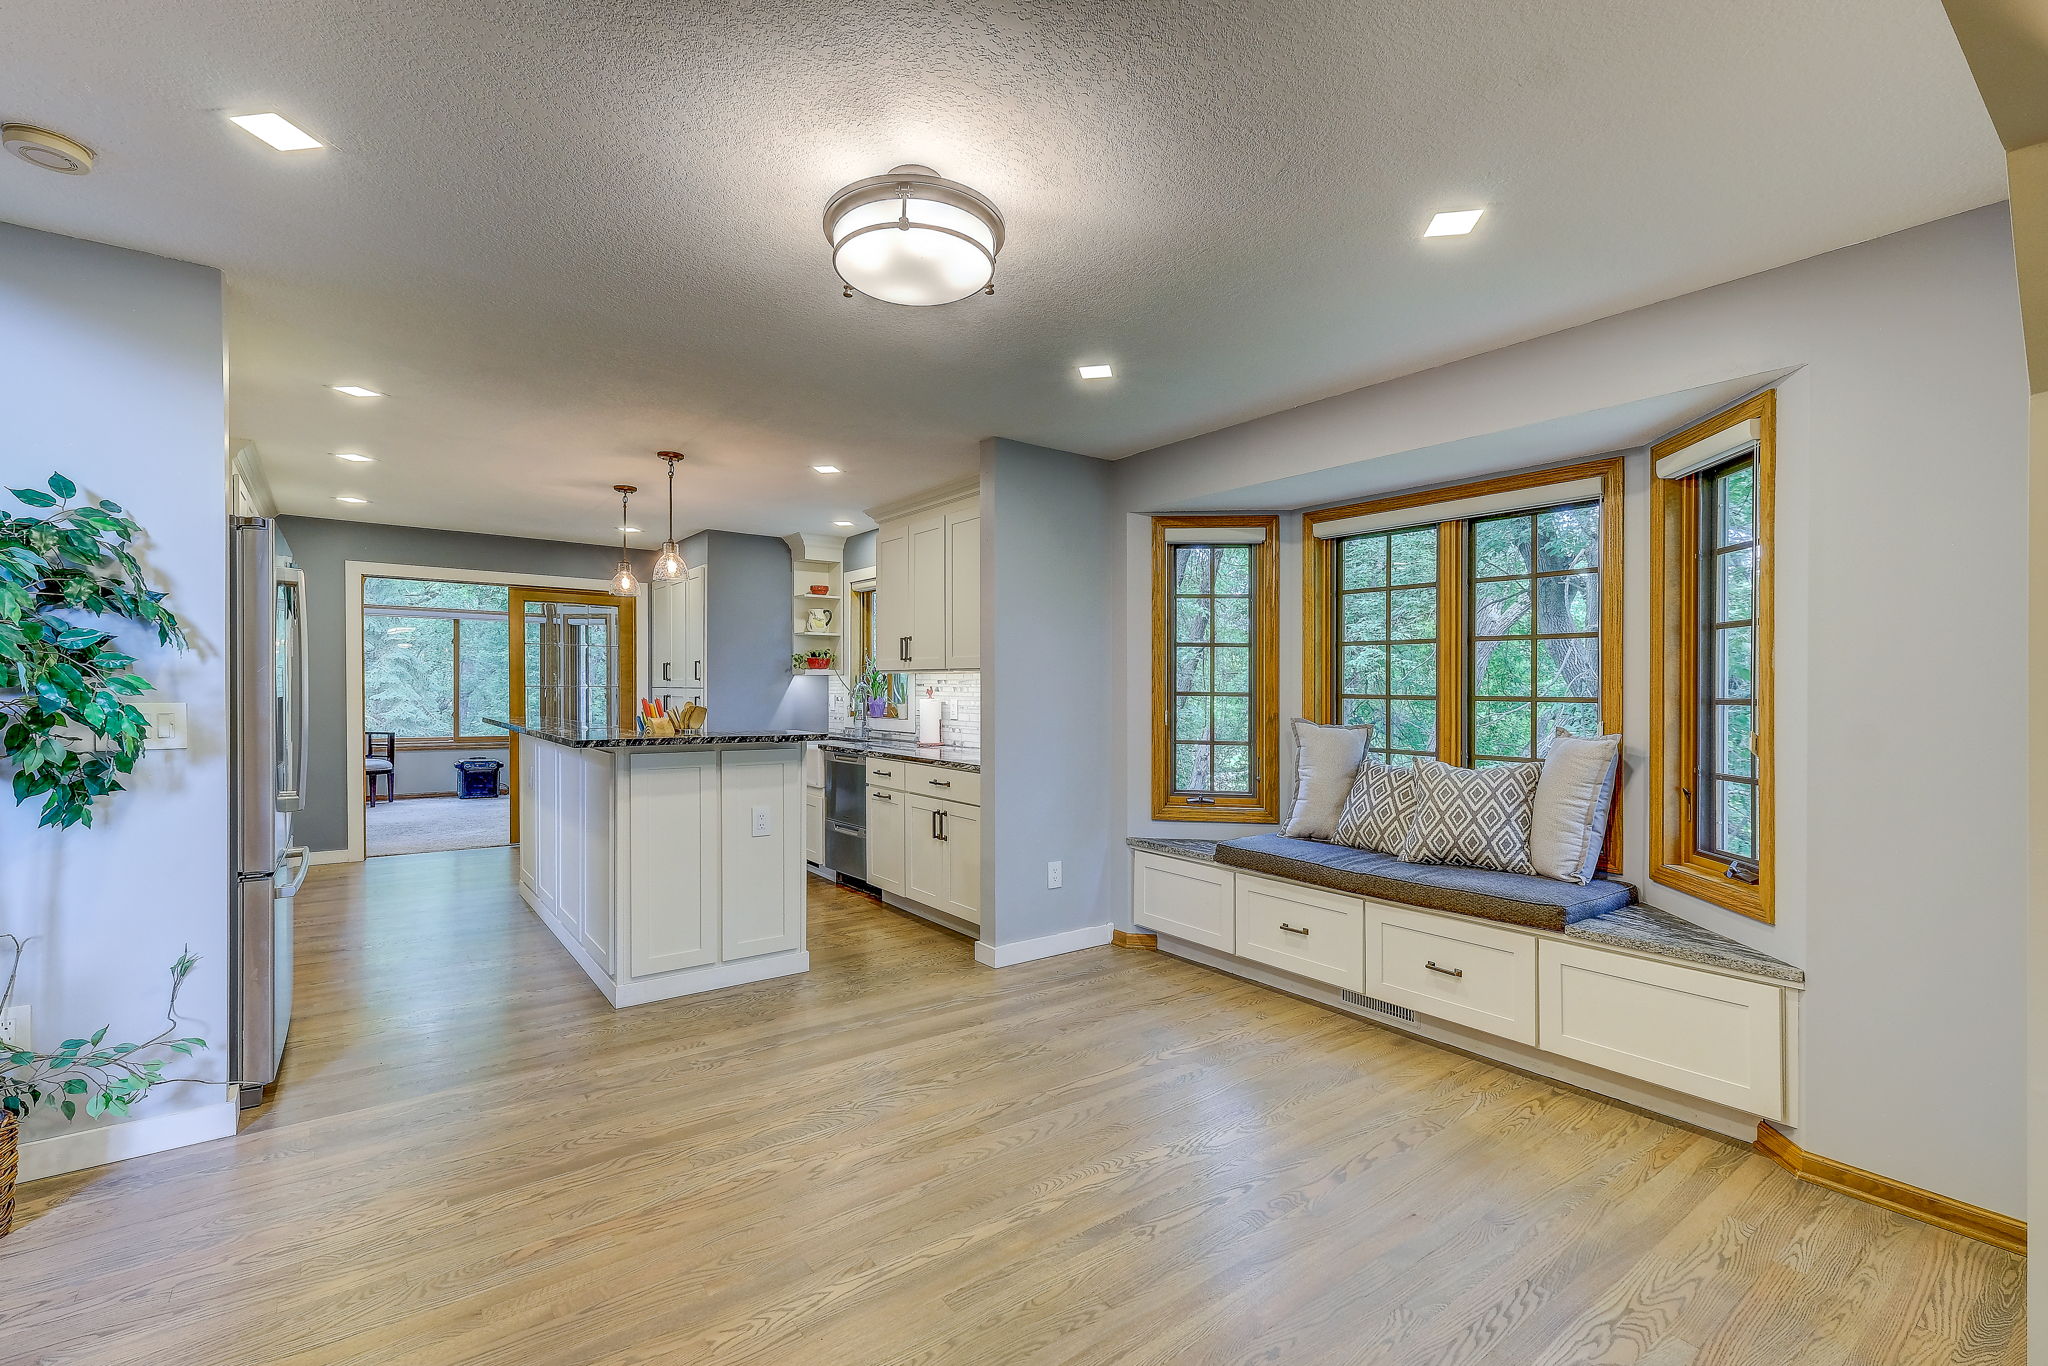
<point>1513,898</point>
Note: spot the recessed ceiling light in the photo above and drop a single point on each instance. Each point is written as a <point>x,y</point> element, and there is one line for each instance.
<point>826,469</point>
<point>352,455</point>
<point>842,524</point>
<point>277,130</point>
<point>355,391</point>
<point>1454,224</point>
<point>1097,372</point>
<point>349,498</point>
<point>630,530</point>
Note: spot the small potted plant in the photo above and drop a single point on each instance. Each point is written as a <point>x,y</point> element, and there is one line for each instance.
<point>811,660</point>
<point>103,1078</point>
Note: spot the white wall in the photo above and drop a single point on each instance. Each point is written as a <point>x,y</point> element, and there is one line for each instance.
<point>1049,625</point>
<point>1901,570</point>
<point>116,377</point>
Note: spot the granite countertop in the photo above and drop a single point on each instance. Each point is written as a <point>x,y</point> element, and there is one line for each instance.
<point>966,758</point>
<point>633,739</point>
<point>1638,929</point>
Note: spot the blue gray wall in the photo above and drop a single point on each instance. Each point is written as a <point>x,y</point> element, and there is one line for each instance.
<point>1050,563</point>
<point>749,612</point>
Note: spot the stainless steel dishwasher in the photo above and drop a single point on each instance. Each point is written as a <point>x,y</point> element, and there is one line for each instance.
<point>846,814</point>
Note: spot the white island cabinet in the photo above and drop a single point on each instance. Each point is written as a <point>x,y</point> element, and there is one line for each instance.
<point>666,866</point>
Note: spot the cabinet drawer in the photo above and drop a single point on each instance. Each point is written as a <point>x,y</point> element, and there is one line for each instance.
<point>952,784</point>
<point>1473,975</point>
<point>1302,930</point>
<point>1190,901</point>
<point>1720,1038</point>
<point>888,773</point>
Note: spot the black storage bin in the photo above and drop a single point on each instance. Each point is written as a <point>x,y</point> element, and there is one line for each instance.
<point>477,777</point>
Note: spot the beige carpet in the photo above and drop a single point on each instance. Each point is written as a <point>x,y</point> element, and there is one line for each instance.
<point>426,825</point>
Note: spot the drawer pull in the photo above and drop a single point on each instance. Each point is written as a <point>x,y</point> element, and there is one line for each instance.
<point>1448,972</point>
<point>881,796</point>
<point>1291,930</point>
<point>940,782</point>
<point>883,773</point>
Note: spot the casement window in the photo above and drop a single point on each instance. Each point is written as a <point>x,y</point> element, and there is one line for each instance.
<point>1710,755</point>
<point>436,661</point>
<point>1215,628</point>
<point>1469,624</point>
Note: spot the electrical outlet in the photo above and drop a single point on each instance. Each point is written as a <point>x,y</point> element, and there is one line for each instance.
<point>14,1027</point>
<point>1055,876</point>
<point>761,826</point>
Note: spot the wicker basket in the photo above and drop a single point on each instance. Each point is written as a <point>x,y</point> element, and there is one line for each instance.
<point>10,1128</point>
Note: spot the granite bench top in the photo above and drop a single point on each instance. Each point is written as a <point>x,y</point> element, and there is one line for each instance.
<point>964,758</point>
<point>1637,929</point>
<point>605,738</point>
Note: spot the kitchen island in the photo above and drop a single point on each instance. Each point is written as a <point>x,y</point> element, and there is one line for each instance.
<point>665,865</point>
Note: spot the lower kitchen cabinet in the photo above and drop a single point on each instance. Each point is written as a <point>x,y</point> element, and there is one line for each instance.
<point>814,825</point>
<point>942,855</point>
<point>885,839</point>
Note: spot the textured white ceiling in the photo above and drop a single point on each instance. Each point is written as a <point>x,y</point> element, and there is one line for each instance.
<point>562,234</point>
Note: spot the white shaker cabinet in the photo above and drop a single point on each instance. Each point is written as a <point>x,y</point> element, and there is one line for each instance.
<point>928,589</point>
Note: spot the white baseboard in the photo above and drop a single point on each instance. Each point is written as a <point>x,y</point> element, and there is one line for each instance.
<point>320,856</point>
<point>82,1148</point>
<point>1691,1110</point>
<point>1049,946</point>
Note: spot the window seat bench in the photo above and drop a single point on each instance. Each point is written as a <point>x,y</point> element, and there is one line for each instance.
<point>1605,1000</point>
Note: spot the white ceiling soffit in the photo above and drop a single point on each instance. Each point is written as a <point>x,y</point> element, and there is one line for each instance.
<point>564,236</point>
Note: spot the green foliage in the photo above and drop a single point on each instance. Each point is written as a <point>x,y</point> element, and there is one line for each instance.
<point>102,1078</point>
<point>57,670</point>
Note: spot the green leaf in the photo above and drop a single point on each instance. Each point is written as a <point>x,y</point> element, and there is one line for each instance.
<point>70,1109</point>
<point>35,498</point>
<point>69,1044</point>
<point>63,487</point>
<point>74,1086</point>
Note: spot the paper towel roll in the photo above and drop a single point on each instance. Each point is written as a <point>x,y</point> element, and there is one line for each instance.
<point>928,712</point>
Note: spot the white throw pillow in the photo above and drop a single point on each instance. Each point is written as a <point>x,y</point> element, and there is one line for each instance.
<point>1325,758</point>
<point>1380,808</point>
<point>1476,817</point>
<point>1568,821</point>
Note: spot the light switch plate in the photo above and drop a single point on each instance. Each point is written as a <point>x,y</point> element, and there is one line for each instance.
<point>166,725</point>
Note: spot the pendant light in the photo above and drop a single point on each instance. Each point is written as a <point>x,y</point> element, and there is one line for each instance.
<point>912,237</point>
<point>624,582</point>
<point>669,565</point>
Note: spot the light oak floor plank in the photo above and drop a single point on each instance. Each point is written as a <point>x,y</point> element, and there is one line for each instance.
<point>905,1159</point>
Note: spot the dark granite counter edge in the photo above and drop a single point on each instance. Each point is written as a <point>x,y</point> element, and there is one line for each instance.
<point>622,740</point>
<point>1642,929</point>
<point>845,746</point>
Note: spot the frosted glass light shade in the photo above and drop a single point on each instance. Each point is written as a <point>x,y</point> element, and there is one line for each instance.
<point>668,565</point>
<point>624,584</point>
<point>911,238</point>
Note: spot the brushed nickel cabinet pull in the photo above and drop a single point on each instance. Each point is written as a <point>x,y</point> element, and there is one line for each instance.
<point>1291,930</point>
<point>1448,972</point>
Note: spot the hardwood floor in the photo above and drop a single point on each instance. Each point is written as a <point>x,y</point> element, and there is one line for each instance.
<point>1111,1156</point>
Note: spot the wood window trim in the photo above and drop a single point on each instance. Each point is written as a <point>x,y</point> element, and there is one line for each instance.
<point>1262,807</point>
<point>1675,859</point>
<point>454,616</point>
<point>1319,581</point>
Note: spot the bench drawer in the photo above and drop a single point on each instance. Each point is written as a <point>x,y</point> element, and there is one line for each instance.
<point>1303,930</point>
<point>1469,974</point>
<point>1720,1038</point>
<point>1185,899</point>
<point>888,773</point>
<point>949,784</point>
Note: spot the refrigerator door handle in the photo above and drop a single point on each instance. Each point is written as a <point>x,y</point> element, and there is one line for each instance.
<point>301,860</point>
<point>300,717</point>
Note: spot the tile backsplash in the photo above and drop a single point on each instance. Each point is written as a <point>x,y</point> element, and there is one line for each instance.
<point>958,691</point>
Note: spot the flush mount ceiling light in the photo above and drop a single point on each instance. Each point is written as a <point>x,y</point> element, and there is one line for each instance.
<point>356,456</point>
<point>624,582</point>
<point>1096,372</point>
<point>355,391</point>
<point>910,237</point>
<point>1454,224</point>
<point>277,130</point>
<point>668,563</point>
<point>41,147</point>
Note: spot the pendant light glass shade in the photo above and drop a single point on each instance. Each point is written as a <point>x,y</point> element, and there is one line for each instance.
<point>910,237</point>
<point>624,583</point>
<point>668,563</point>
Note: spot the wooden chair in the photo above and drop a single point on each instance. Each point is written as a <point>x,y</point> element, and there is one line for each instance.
<point>380,760</point>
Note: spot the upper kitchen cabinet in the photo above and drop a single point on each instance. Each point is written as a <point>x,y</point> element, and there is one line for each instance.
<point>928,585</point>
<point>676,642</point>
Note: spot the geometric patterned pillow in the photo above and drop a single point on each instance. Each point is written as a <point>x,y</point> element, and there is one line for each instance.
<point>1478,818</point>
<point>1382,803</point>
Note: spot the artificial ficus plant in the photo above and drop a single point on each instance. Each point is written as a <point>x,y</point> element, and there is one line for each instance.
<point>103,1078</point>
<point>57,671</point>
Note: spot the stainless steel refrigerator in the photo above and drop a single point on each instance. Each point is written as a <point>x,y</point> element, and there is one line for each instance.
<point>268,643</point>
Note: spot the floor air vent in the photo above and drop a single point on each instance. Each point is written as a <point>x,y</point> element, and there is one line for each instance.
<point>1374,1003</point>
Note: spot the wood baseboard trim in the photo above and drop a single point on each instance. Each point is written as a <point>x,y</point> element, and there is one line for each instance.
<point>1133,939</point>
<point>1972,1221</point>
